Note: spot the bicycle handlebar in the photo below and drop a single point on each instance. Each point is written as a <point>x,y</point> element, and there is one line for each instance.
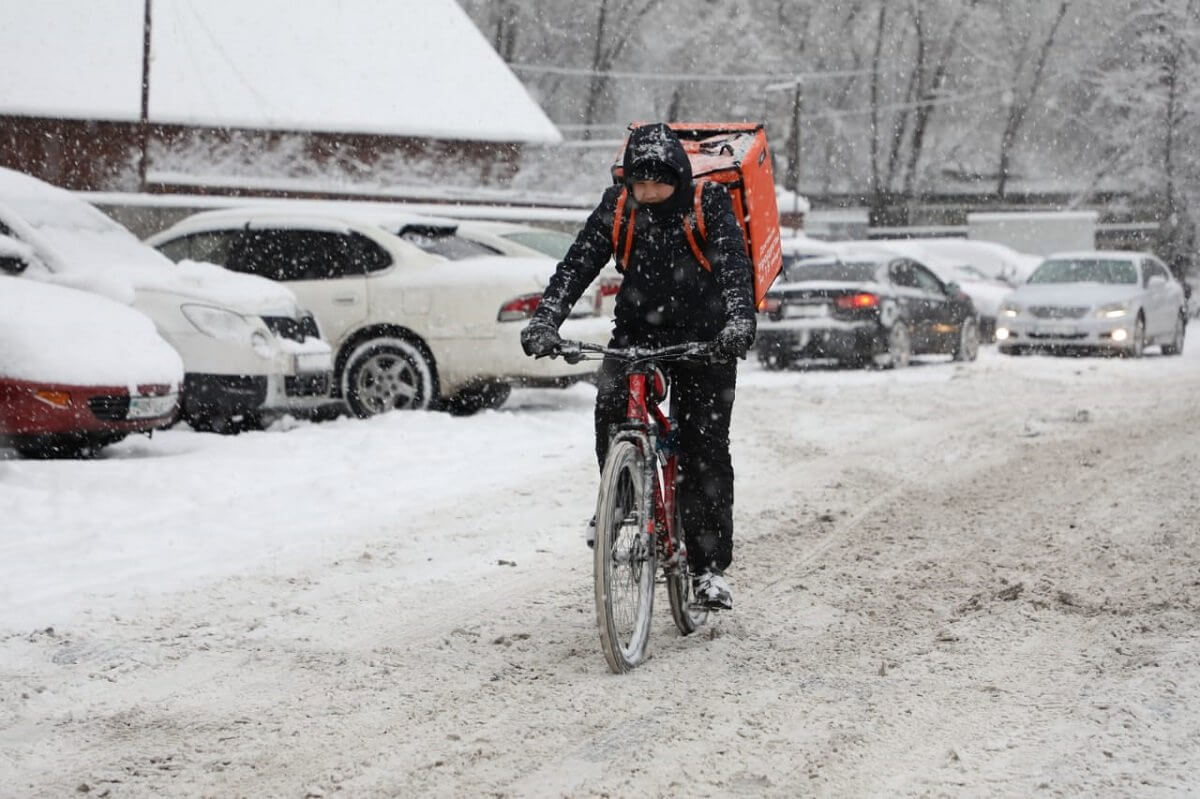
<point>576,351</point>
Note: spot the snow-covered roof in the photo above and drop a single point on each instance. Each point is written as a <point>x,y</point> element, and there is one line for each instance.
<point>314,214</point>
<point>390,67</point>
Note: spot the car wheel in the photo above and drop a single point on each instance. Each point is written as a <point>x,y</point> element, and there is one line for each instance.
<point>774,359</point>
<point>1176,345</point>
<point>386,374</point>
<point>1137,346</point>
<point>967,346</point>
<point>899,348</point>
<point>65,447</point>
<point>213,423</point>
<point>487,396</point>
<point>987,330</point>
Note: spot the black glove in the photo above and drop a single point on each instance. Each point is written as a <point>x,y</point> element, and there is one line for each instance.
<point>539,338</point>
<point>731,343</point>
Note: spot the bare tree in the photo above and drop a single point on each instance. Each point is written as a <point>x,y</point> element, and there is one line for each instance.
<point>1023,97</point>
<point>616,23</point>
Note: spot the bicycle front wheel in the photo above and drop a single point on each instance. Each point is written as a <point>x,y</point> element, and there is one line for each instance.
<point>625,559</point>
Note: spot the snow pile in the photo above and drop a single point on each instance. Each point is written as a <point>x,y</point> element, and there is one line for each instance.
<point>58,335</point>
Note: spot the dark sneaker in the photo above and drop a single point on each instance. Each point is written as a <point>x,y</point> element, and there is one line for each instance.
<point>710,591</point>
<point>589,533</point>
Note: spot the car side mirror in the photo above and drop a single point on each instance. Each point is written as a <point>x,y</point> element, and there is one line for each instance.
<point>12,264</point>
<point>1156,281</point>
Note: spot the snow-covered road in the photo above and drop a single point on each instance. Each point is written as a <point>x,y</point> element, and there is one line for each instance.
<point>968,580</point>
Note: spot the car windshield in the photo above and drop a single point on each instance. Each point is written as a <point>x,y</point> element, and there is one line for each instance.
<point>967,272</point>
<point>551,242</point>
<point>1085,270</point>
<point>804,269</point>
<point>443,242</point>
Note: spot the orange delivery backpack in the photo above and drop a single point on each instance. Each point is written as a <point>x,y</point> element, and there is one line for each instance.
<point>734,154</point>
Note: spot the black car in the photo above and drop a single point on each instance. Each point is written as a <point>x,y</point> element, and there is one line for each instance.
<point>863,308</point>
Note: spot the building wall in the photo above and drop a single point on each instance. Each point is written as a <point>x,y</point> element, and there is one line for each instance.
<point>75,154</point>
<point>104,156</point>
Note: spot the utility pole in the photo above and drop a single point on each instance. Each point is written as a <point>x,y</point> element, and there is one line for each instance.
<point>792,179</point>
<point>144,122</point>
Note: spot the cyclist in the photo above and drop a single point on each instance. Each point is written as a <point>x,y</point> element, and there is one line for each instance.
<point>667,298</point>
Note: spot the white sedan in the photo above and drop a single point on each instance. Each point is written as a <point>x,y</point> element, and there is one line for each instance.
<point>1097,300</point>
<point>523,241</point>
<point>419,316</point>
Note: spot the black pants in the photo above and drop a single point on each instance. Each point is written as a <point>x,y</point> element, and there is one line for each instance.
<point>702,403</point>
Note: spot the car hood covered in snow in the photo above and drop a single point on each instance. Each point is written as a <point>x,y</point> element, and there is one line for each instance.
<point>59,335</point>
<point>80,247</point>
<point>1076,294</point>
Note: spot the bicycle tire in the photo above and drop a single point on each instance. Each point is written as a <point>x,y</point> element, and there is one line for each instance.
<point>687,616</point>
<point>624,560</point>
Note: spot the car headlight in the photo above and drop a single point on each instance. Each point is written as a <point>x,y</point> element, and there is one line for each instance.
<point>1114,310</point>
<point>219,323</point>
<point>1009,310</point>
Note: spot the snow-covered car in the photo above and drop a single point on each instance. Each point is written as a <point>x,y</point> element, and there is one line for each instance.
<point>1095,300</point>
<point>249,350</point>
<point>78,371</point>
<point>523,241</point>
<point>997,261</point>
<point>863,306</point>
<point>419,316</point>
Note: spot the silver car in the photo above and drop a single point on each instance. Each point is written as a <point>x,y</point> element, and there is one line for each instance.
<point>1095,301</point>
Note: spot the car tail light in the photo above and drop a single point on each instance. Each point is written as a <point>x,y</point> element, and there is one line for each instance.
<point>55,399</point>
<point>851,301</point>
<point>608,287</point>
<point>519,308</point>
<point>770,305</point>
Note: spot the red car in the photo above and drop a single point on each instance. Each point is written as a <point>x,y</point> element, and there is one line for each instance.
<point>78,371</point>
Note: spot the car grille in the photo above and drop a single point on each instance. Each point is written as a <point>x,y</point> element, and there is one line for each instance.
<point>1059,336</point>
<point>111,407</point>
<point>1057,311</point>
<point>306,385</point>
<point>295,329</point>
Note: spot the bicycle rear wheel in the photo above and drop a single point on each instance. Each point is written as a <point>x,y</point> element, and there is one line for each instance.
<point>625,560</point>
<point>679,590</point>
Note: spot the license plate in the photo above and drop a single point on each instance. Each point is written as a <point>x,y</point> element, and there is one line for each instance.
<point>314,362</point>
<point>807,311</point>
<point>151,407</point>
<point>1055,330</point>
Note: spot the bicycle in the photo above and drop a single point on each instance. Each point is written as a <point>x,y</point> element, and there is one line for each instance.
<point>637,519</point>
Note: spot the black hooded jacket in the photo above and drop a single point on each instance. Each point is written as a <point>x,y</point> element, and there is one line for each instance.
<point>666,296</point>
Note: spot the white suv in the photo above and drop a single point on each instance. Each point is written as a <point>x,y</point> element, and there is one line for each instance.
<point>419,316</point>
<point>249,351</point>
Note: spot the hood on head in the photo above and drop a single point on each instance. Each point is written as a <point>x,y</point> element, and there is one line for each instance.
<point>657,145</point>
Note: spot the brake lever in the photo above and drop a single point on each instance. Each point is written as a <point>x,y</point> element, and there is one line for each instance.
<point>571,354</point>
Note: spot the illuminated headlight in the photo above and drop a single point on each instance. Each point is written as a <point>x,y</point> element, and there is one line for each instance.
<point>1001,333</point>
<point>1112,311</point>
<point>219,323</point>
<point>1120,335</point>
<point>1008,310</point>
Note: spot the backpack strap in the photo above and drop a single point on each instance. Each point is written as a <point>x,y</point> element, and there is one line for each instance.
<point>621,255</point>
<point>693,224</point>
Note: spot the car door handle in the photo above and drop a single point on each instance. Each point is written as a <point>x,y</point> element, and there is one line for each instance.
<point>345,300</point>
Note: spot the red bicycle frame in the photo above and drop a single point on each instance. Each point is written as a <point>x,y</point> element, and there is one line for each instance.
<point>643,412</point>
